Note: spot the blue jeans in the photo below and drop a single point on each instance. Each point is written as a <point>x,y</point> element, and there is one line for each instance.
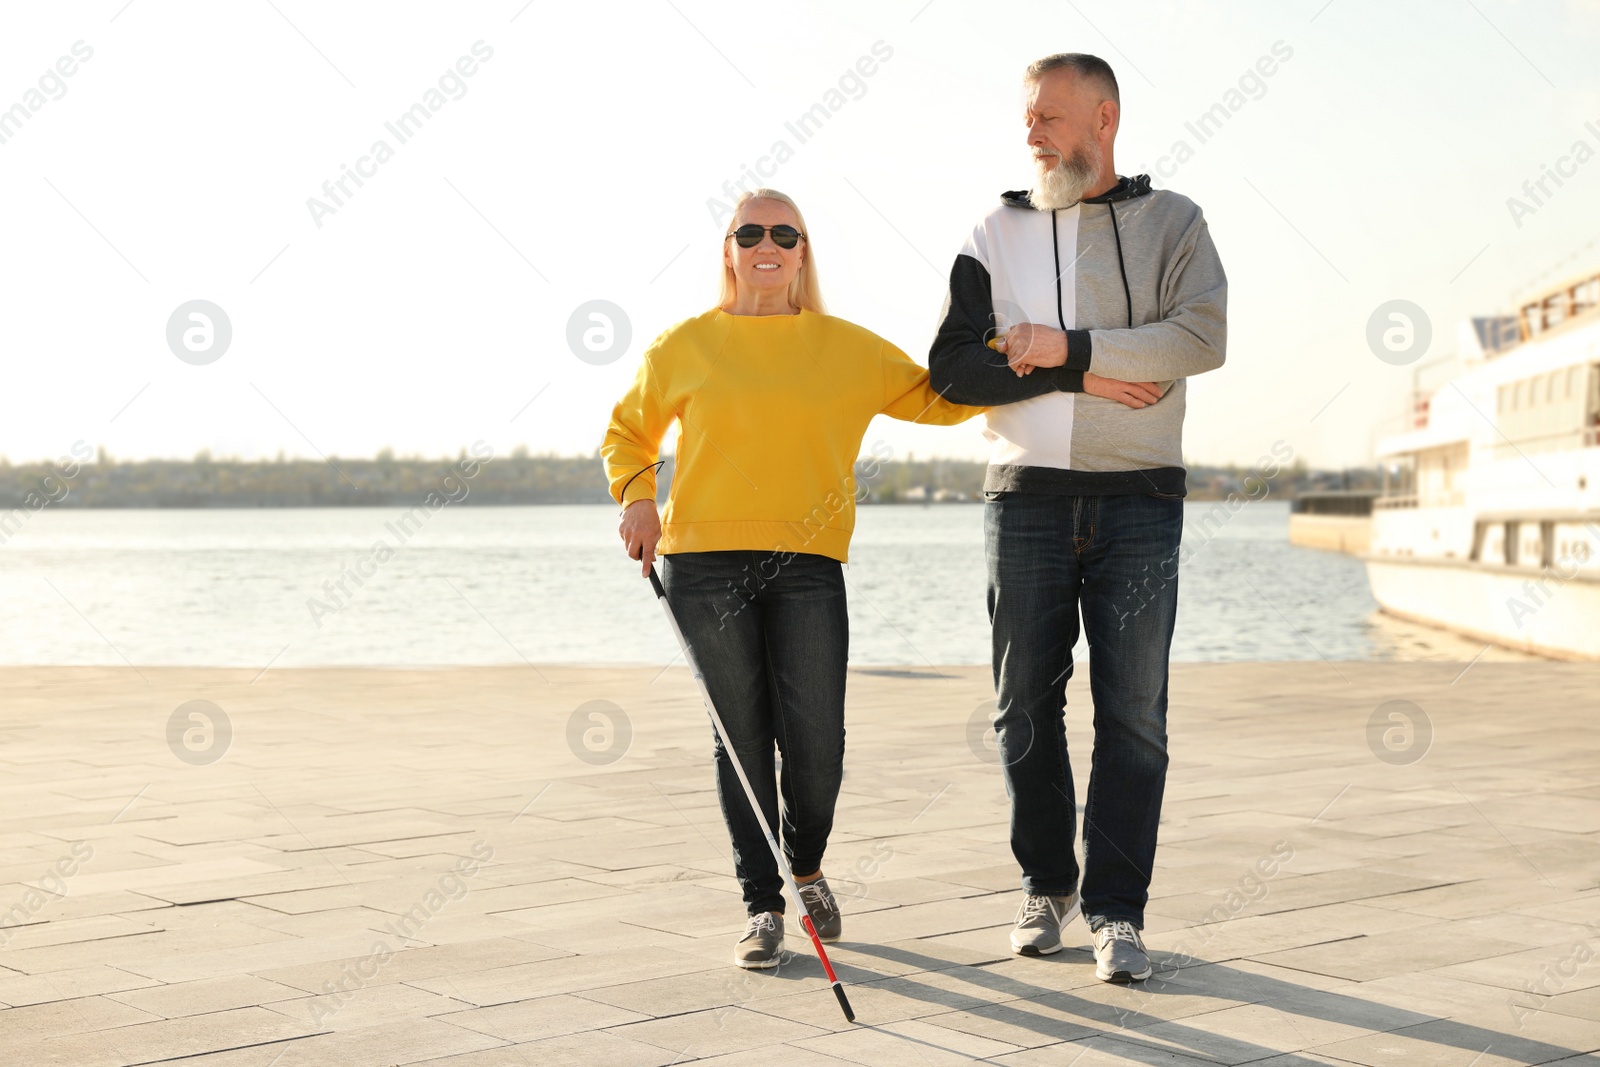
<point>770,634</point>
<point>1116,559</point>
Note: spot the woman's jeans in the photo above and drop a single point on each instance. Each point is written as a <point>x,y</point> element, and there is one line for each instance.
<point>769,633</point>
<point>1115,558</point>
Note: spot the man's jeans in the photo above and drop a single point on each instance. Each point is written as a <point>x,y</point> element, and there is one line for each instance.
<point>770,634</point>
<point>1116,558</point>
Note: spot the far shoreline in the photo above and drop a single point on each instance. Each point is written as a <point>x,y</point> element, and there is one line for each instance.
<point>483,479</point>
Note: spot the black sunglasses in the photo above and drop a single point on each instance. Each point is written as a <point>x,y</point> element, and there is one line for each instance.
<point>749,235</point>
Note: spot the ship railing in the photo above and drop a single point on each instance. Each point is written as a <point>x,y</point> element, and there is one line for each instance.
<point>1584,437</point>
<point>1554,309</point>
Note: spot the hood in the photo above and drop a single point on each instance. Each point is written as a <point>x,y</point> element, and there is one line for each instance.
<point>1125,189</point>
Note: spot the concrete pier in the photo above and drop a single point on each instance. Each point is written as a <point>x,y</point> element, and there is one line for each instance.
<point>1375,864</point>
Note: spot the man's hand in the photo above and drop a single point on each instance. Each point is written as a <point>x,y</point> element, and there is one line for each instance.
<point>1133,394</point>
<point>1028,345</point>
<point>640,530</point>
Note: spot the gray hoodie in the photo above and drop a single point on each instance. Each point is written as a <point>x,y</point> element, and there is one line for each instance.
<point>1133,279</point>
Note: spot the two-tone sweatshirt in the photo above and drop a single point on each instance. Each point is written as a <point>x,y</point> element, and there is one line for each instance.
<point>771,411</point>
<point>1134,281</point>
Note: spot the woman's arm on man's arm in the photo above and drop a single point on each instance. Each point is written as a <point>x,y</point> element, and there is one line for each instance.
<point>963,368</point>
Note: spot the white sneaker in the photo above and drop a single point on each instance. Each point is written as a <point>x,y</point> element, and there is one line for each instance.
<point>1039,923</point>
<point>1119,954</point>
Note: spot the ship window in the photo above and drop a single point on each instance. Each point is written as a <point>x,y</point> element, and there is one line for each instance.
<point>1550,387</point>
<point>1516,396</point>
<point>1572,381</point>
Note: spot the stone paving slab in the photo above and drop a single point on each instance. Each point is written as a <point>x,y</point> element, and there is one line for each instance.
<point>466,868</point>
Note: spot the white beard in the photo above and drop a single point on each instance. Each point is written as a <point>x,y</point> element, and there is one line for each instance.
<point>1069,180</point>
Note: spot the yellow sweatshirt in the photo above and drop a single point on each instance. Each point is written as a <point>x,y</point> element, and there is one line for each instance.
<point>773,409</point>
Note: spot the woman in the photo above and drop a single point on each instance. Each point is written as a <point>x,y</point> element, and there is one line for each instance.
<point>774,397</point>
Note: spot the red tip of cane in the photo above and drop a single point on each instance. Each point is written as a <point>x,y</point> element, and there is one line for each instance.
<point>838,988</point>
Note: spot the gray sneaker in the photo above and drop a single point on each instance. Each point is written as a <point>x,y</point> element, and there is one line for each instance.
<point>1119,954</point>
<point>762,943</point>
<point>822,908</point>
<point>1039,923</point>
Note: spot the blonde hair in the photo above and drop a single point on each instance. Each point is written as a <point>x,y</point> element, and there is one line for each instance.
<point>804,291</point>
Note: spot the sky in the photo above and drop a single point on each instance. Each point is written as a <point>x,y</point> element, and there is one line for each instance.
<point>576,153</point>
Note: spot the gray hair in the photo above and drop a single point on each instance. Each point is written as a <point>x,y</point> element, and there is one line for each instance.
<point>1080,63</point>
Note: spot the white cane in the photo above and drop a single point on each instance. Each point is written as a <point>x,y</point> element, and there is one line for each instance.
<point>750,794</point>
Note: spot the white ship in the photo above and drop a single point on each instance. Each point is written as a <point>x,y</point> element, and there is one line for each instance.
<point>1489,520</point>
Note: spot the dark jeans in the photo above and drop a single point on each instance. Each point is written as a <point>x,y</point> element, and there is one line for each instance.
<point>770,635</point>
<point>1116,559</point>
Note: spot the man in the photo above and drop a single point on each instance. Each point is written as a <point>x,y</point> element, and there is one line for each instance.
<point>1076,311</point>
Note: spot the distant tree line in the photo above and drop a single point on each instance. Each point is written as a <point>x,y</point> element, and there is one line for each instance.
<point>518,478</point>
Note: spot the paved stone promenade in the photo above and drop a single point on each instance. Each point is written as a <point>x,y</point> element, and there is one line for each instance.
<point>398,867</point>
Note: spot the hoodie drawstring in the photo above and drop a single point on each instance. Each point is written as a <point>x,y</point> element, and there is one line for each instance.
<point>1055,248</point>
<point>1126,295</point>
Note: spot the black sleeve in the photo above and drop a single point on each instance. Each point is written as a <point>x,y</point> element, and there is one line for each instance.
<point>964,369</point>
